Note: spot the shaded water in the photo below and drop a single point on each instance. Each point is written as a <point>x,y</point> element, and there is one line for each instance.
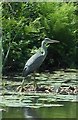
<point>68,110</point>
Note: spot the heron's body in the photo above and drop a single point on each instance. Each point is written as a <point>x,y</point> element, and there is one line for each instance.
<point>36,60</point>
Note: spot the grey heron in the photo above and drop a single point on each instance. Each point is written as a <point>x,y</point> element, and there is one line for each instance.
<point>37,59</point>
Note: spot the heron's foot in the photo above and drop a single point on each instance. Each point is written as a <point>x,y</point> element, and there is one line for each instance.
<point>25,87</point>
<point>21,89</point>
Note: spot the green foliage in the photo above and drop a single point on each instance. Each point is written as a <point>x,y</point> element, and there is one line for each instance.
<point>26,24</point>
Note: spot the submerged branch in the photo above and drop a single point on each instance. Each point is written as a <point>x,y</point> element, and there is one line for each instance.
<point>6,56</point>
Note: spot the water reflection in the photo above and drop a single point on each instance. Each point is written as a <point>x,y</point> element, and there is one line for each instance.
<point>69,110</point>
<point>30,114</point>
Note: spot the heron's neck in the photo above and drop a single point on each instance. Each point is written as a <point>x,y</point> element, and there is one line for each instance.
<point>44,48</point>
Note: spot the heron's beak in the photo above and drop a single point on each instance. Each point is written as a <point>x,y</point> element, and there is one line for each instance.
<point>53,41</point>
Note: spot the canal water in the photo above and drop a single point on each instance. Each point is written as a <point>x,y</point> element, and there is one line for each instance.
<point>40,105</point>
<point>68,110</point>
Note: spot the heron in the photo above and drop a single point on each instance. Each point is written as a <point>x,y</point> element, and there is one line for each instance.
<point>37,59</point>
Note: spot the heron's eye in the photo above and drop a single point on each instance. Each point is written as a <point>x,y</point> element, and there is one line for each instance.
<point>25,67</point>
<point>42,52</point>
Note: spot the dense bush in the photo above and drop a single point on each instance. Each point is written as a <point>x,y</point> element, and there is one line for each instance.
<point>26,24</point>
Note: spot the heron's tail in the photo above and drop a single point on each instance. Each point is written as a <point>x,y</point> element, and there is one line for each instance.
<point>25,71</point>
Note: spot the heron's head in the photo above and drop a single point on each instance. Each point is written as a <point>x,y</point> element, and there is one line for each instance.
<point>48,40</point>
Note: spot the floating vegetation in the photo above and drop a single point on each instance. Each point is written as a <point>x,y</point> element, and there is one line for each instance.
<point>59,86</point>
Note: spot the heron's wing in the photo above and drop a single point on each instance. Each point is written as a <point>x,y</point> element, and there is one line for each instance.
<point>35,61</point>
<point>37,56</point>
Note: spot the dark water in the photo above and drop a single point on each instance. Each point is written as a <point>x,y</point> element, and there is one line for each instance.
<point>69,110</point>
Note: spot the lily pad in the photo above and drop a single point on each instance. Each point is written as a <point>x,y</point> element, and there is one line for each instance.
<point>52,105</point>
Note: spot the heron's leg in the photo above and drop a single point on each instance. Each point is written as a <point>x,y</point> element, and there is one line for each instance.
<point>35,84</point>
<point>20,88</point>
<point>23,81</point>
